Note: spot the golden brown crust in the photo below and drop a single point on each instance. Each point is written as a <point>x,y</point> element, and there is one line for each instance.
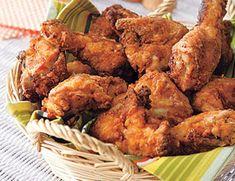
<point>148,41</point>
<point>126,125</point>
<point>104,55</point>
<point>82,92</point>
<point>104,25</point>
<point>205,131</point>
<point>166,101</point>
<point>197,54</point>
<point>76,67</point>
<point>217,95</point>
<point>44,67</point>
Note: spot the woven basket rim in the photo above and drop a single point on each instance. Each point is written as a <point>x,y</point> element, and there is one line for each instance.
<point>37,130</point>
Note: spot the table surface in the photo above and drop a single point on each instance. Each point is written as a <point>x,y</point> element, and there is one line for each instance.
<point>19,160</point>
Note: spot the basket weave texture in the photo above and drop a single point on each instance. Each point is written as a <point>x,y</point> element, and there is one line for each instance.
<point>93,159</point>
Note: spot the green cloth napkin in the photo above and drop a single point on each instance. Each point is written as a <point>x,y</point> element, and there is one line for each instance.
<point>77,14</point>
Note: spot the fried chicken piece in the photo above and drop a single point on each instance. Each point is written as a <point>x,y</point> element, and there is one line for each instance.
<point>217,95</point>
<point>165,100</point>
<point>197,54</point>
<point>82,92</point>
<point>129,125</point>
<point>77,67</point>
<point>44,67</point>
<point>104,25</point>
<point>104,55</point>
<point>205,131</point>
<point>226,52</point>
<point>148,41</point>
<point>126,125</point>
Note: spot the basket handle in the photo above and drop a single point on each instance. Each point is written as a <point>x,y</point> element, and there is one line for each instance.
<point>167,6</point>
<point>36,128</point>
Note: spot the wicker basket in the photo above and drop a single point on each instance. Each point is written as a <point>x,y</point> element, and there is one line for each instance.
<point>103,161</point>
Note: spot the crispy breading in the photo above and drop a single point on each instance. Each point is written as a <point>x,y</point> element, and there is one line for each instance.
<point>104,55</point>
<point>126,125</point>
<point>82,92</point>
<point>198,53</point>
<point>148,41</point>
<point>217,95</point>
<point>77,67</point>
<point>204,132</point>
<point>166,101</point>
<point>44,67</point>
<point>104,25</point>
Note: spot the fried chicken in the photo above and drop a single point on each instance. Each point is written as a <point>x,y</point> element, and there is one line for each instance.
<point>148,41</point>
<point>198,53</point>
<point>82,92</point>
<point>226,52</point>
<point>126,125</point>
<point>205,131</point>
<point>164,99</point>
<point>217,95</point>
<point>104,55</point>
<point>77,67</point>
<point>104,25</point>
<point>44,67</point>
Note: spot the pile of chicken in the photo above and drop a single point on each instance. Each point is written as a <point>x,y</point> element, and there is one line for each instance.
<point>151,79</point>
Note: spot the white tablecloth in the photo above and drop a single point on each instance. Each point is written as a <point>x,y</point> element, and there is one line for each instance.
<point>19,160</point>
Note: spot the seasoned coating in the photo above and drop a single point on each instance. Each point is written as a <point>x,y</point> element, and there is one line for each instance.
<point>197,54</point>
<point>104,55</point>
<point>126,125</point>
<point>104,25</point>
<point>148,41</point>
<point>217,95</point>
<point>44,67</point>
<point>226,52</point>
<point>82,92</point>
<point>165,100</point>
<point>205,131</point>
<point>77,67</point>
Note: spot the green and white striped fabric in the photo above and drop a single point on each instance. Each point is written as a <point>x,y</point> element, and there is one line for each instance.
<point>77,14</point>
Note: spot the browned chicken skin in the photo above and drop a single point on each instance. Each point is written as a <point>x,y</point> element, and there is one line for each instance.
<point>104,55</point>
<point>82,92</point>
<point>197,54</point>
<point>44,67</point>
<point>126,125</point>
<point>129,125</point>
<point>104,25</point>
<point>204,132</point>
<point>148,41</point>
<point>165,100</point>
<point>77,67</point>
<point>218,94</point>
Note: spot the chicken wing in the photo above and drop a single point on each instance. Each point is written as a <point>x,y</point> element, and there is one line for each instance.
<point>104,25</point>
<point>197,54</point>
<point>164,99</point>
<point>44,67</point>
<point>205,131</point>
<point>76,67</point>
<point>148,41</point>
<point>82,92</point>
<point>104,55</point>
<point>126,125</point>
<point>217,95</point>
